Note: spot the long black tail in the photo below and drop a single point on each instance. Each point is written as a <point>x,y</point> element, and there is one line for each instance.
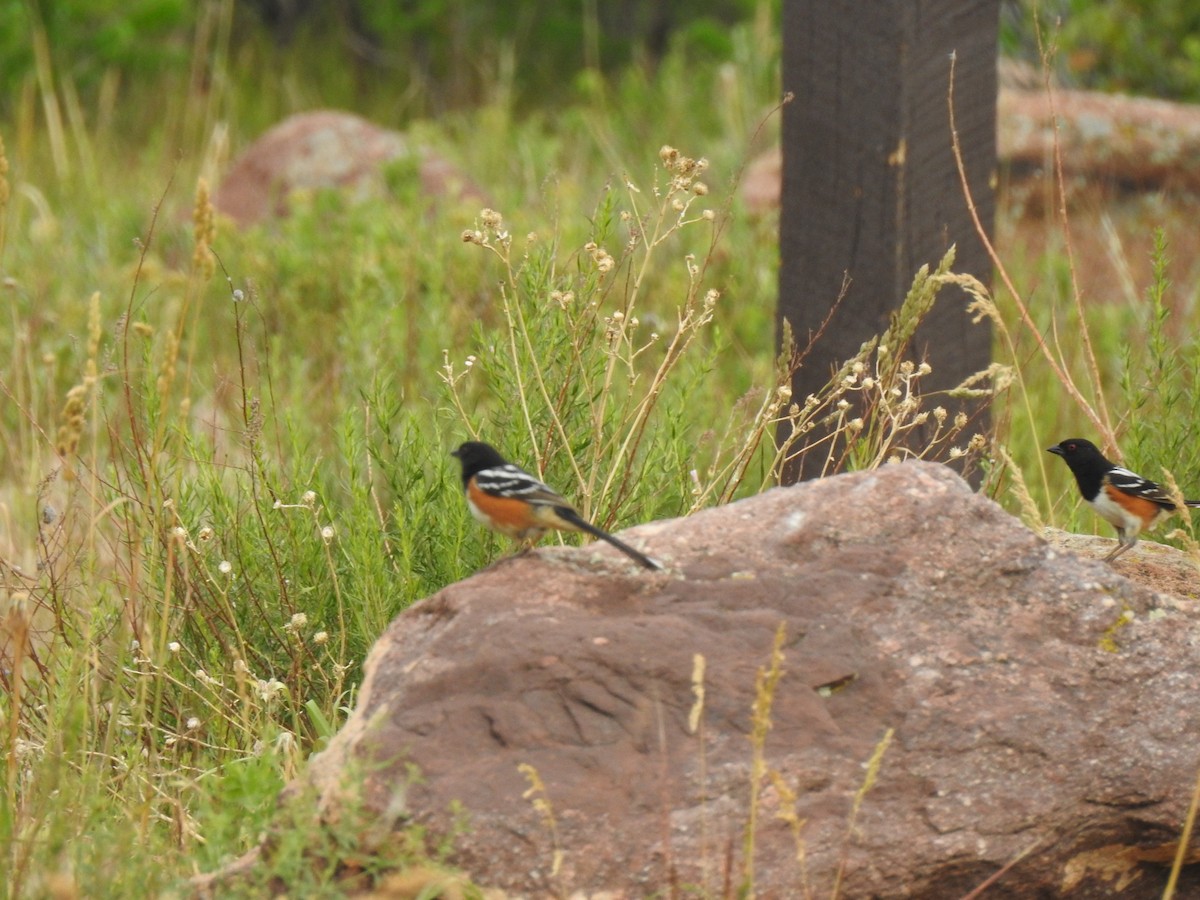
<point>568,514</point>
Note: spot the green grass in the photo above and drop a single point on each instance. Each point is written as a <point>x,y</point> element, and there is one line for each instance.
<point>226,475</point>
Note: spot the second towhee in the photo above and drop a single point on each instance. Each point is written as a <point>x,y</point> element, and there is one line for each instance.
<point>507,499</point>
<point>1126,500</point>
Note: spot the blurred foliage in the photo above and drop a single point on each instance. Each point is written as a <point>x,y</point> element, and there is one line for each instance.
<point>442,54</point>
<point>1149,47</point>
<point>86,38</point>
<point>438,53</point>
<point>550,41</point>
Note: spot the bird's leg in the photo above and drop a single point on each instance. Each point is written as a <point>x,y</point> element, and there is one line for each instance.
<point>1124,543</point>
<point>524,548</point>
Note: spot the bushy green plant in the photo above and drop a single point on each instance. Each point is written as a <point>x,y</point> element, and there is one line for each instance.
<point>1130,46</point>
<point>1160,388</point>
<point>84,39</point>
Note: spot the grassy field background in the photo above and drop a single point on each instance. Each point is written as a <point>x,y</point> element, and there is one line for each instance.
<point>225,454</point>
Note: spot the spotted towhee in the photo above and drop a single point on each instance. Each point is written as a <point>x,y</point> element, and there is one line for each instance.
<point>507,499</point>
<point>1123,498</point>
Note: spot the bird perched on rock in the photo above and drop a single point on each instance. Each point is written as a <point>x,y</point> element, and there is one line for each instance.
<point>1124,499</point>
<point>507,499</point>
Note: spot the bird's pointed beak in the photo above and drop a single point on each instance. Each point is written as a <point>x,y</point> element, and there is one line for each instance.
<point>1057,450</point>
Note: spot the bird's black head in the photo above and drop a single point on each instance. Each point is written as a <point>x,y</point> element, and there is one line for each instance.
<point>1086,462</point>
<point>1075,448</point>
<point>476,456</point>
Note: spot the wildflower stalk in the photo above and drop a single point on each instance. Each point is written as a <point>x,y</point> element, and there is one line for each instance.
<point>765,683</point>
<point>1098,414</point>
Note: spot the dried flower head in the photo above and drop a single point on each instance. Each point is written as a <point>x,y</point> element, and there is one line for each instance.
<point>269,689</point>
<point>71,429</point>
<point>601,257</point>
<point>204,231</point>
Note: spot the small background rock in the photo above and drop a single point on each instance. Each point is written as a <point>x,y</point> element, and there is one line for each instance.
<point>329,149</point>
